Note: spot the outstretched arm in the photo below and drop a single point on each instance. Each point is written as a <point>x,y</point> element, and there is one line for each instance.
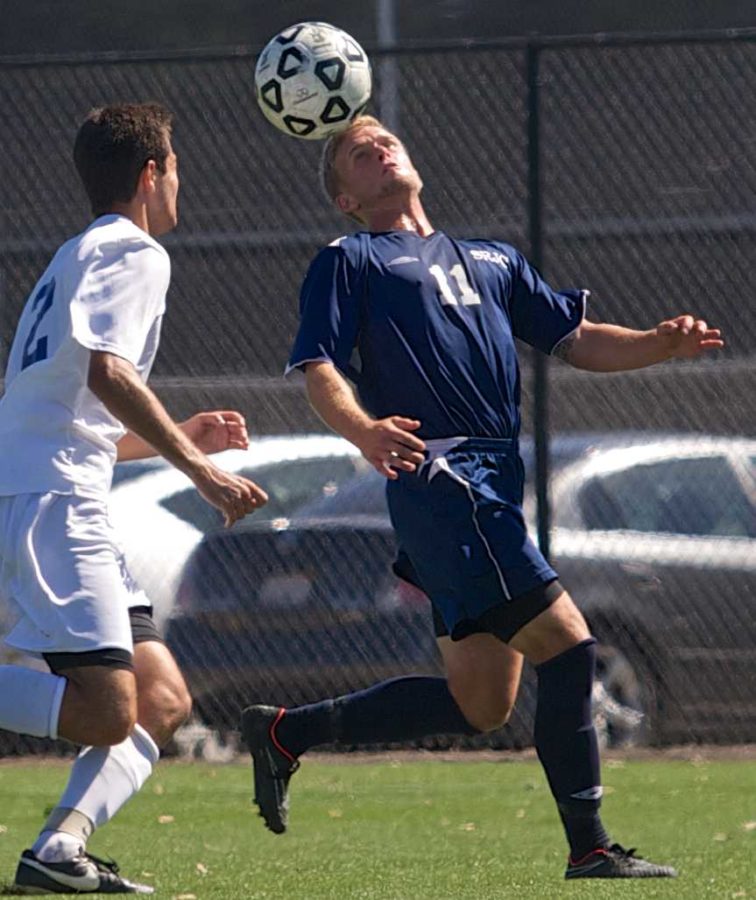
<point>388,444</point>
<point>599,347</point>
<point>117,384</point>
<point>212,431</point>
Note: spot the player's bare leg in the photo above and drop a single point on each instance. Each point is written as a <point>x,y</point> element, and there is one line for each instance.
<point>163,699</point>
<point>99,706</point>
<point>483,676</point>
<point>105,776</point>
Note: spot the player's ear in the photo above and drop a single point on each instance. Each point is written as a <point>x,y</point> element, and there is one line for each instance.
<point>148,177</point>
<point>346,204</point>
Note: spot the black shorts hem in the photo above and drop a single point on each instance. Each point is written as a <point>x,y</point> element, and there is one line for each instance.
<point>143,629</point>
<point>503,620</point>
<point>111,658</point>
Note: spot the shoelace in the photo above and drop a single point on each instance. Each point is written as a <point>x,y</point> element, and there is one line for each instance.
<point>616,849</point>
<point>104,865</point>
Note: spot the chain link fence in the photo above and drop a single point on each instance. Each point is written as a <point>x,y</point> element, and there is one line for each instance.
<point>625,166</point>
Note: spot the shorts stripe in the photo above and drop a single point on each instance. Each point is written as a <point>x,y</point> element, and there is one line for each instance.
<point>441,465</point>
<point>465,535</point>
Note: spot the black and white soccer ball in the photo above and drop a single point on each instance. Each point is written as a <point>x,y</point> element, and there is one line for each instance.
<point>312,79</point>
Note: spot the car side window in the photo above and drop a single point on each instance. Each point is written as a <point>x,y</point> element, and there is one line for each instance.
<point>289,484</point>
<point>694,496</point>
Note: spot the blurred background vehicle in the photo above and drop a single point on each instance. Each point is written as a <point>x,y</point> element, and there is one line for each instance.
<point>656,540</point>
<point>160,517</point>
<point>305,605</point>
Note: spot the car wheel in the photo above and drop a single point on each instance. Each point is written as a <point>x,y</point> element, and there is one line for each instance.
<point>624,698</point>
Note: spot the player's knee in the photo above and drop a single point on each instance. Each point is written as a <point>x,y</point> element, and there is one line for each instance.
<point>115,727</point>
<point>486,713</point>
<point>116,722</point>
<point>489,719</point>
<point>166,707</point>
<point>182,707</point>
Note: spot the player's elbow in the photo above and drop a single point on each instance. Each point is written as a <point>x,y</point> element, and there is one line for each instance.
<point>101,370</point>
<point>106,372</point>
<point>318,372</point>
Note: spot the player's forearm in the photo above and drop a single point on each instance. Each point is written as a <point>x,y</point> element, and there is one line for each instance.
<point>333,400</point>
<point>117,384</point>
<point>600,347</point>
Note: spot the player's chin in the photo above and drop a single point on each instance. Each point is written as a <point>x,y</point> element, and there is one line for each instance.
<point>398,181</point>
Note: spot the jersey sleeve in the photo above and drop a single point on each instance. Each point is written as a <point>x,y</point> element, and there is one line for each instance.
<point>541,316</point>
<point>119,297</point>
<point>329,308</point>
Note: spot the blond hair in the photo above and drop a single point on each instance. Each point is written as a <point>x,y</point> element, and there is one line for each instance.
<point>328,177</point>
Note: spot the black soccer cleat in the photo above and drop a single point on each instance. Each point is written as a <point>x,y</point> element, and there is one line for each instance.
<point>272,764</point>
<point>616,862</point>
<point>84,874</point>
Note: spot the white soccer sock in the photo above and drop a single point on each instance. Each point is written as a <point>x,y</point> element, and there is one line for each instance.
<point>102,780</point>
<point>30,701</point>
<point>56,846</point>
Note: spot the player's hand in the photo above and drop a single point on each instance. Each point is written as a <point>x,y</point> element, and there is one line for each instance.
<point>218,430</point>
<point>687,337</point>
<point>389,445</point>
<point>233,495</point>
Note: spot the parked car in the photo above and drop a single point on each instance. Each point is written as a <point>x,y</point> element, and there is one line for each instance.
<point>160,517</point>
<point>657,541</point>
<point>655,537</point>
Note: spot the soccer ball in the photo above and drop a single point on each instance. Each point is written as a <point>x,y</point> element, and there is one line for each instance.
<point>312,79</point>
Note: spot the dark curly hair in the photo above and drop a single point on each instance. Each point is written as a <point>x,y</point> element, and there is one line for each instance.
<point>112,147</point>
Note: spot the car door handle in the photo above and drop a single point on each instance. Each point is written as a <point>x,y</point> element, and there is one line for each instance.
<point>642,575</point>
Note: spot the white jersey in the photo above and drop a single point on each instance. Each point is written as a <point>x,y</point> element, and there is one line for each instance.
<point>104,290</point>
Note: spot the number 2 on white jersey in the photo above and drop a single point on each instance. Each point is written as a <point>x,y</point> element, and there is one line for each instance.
<point>41,305</point>
<point>467,295</point>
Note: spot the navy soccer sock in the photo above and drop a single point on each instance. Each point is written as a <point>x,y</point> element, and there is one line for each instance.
<point>401,709</point>
<point>567,745</point>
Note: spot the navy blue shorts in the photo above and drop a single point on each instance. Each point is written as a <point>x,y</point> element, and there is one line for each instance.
<point>459,523</point>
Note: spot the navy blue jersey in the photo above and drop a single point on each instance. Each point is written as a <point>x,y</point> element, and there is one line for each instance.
<point>425,326</point>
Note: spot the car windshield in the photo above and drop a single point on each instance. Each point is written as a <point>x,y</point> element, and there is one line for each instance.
<point>700,496</point>
<point>363,495</point>
<point>290,484</point>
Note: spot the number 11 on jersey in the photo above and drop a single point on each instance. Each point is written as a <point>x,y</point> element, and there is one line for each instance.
<point>467,295</point>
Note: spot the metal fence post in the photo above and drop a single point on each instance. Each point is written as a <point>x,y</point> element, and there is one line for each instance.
<point>540,367</point>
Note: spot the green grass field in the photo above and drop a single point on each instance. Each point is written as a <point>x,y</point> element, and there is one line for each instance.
<point>415,828</point>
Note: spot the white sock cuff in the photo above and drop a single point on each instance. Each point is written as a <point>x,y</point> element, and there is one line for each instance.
<point>145,745</point>
<point>57,702</point>
<point>30,700</point>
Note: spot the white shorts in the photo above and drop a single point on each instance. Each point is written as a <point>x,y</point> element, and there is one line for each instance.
<point>63,576</point>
